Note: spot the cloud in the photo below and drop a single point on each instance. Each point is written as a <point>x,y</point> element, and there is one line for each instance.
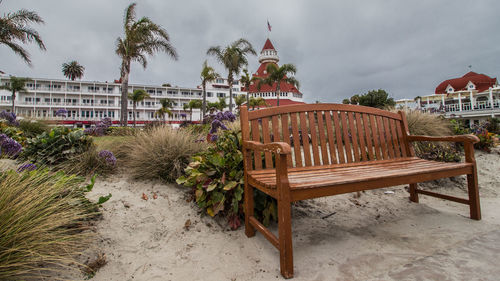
<point>339,47</point>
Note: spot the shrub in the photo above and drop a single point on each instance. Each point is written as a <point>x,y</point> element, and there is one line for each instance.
<point>32,128</point>
<point>89,162</point>
<point>56,146</point>
<point>100,128</point>
<point>121,131</point>
<point>42,223</point>
<point>493,125</point>
<point>420,123</point>
<point>15,133</point>
<point>161,153</point>
<point>486,141</point>
<point>216,177</point>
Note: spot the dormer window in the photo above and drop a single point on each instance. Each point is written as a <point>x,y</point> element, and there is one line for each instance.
<point>471,86</point>
<point>450,89</point>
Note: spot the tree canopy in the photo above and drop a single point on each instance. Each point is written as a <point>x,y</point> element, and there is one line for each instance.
<point>374,98</point>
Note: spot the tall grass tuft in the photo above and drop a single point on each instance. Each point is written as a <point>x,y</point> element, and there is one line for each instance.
<point>161,153</point>
<point>87,163</point>
<point>42,227</point>
<point>429,124</point>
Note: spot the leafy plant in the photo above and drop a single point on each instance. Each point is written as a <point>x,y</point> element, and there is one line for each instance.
<point>56,146</point>
<point>89,162</point>
<point>216,177</point>
<point>121,131</point>
<point>485,138</point>
<point>32,128</point>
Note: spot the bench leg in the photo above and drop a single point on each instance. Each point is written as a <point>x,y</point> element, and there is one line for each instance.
<point>285,238</point>
<point>475,208</point>
<point>249,210</point>
<point>413,193</point>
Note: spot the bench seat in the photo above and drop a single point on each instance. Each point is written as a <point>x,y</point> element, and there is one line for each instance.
<point>373,171</point>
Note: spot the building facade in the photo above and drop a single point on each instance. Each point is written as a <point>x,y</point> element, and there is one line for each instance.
<point>90,101</point>
<point>289,93</point>
<point>473,97</point>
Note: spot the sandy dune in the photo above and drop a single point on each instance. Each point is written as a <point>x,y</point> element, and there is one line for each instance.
<point>376,237</point>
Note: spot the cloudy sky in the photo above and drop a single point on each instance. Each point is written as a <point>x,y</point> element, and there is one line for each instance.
<point>340,48</point>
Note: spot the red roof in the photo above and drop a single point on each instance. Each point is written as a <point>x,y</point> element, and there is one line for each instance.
<point>481,82</point>
<point>268,45</point>
<point>284,87</point>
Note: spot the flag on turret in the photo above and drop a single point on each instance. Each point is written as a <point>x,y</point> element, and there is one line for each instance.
<point>268,26</point>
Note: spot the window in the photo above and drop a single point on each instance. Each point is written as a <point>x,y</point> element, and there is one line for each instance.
<point>221,95</point>
<point>210,94</point>
<point>219,81</point>
<point>235,82</point>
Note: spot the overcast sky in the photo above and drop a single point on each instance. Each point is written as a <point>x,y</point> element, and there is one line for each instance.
<point>340,48</point>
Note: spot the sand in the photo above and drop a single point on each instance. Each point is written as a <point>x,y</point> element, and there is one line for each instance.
<point>379,236</point>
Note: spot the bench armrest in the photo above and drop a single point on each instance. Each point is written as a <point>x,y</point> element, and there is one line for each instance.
<point>461,138</point>
<point>275,147</point>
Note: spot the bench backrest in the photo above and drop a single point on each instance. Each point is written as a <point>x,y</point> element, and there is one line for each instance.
<point>325,134</point>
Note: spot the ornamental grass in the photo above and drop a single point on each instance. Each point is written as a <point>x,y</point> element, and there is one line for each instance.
<point>42,224</point>
<point>160,153</point>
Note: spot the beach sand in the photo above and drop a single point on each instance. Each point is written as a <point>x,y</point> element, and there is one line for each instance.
<point>379,236</point>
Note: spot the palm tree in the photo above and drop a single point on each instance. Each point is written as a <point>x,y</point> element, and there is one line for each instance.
<point>142,37</point>
<point>257,102</point>
<point>239,100</point>
<point>192,105</point>
<point>73,70</point>
<point>233,58</point>
<point>16,85</point>
<point>16,27</point>
<point>166,108</point>
<point>207,74</point>
<point>246,80</point>
<point>137,96</point>
<point>277,75</point>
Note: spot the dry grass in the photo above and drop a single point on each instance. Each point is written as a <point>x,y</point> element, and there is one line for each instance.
<point>160,153</point>
<point>420,123</point>
<point>86,163</point>
<point>41,224</point>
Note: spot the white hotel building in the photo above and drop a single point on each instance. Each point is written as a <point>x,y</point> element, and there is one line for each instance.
<point>90,101</point>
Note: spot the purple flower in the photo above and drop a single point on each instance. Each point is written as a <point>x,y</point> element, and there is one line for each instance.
<point>200,140</point>
<point>214,138</point>
<point>61,112</point>
<point>26,167</point>
<point>108,156</point>
<point>228,115</point>
<point>183,115</point>
<point>10,117</point>
<point>9,146</point>
<point>100,127</point>
<point>216,124</point>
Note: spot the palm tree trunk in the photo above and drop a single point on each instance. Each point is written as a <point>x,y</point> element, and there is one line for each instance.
<point>133,112</point>
<point>230,82</point>
<point>279,93</point>
<point>204,104</point>
<point>248,95</point>
<point>14,102</point>
<point>125,71</point>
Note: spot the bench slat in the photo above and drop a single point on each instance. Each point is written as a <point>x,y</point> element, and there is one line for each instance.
<point>331,140</point>
<point>395,142</point>
<point>305,139</point>
<point>314,137</point>
<point>267,139</point>
<point>354,136</point>
<point>368,135</point>
<point>374,135</point>
<point>338,135</point>
<point>296,140</point>
<point>388,138</point>
<point>286,135</point>
<point>361,136</point>
<point>381,135</point>
<point>256,137</point>
<point>401,140</point>
<point>322,138</point>
<point>347,142</point>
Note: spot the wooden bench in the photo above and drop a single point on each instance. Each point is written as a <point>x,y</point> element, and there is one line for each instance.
<point>343,148</point>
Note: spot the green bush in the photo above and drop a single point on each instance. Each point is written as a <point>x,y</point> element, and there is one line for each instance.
<point>216,177</point>
<point>56,146</point>
<point>493,125</point>
<point>32,128</point>
<point>13,132</point>
<point>43,224</point>
<point>121,131</point>
<point>159,153</point>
